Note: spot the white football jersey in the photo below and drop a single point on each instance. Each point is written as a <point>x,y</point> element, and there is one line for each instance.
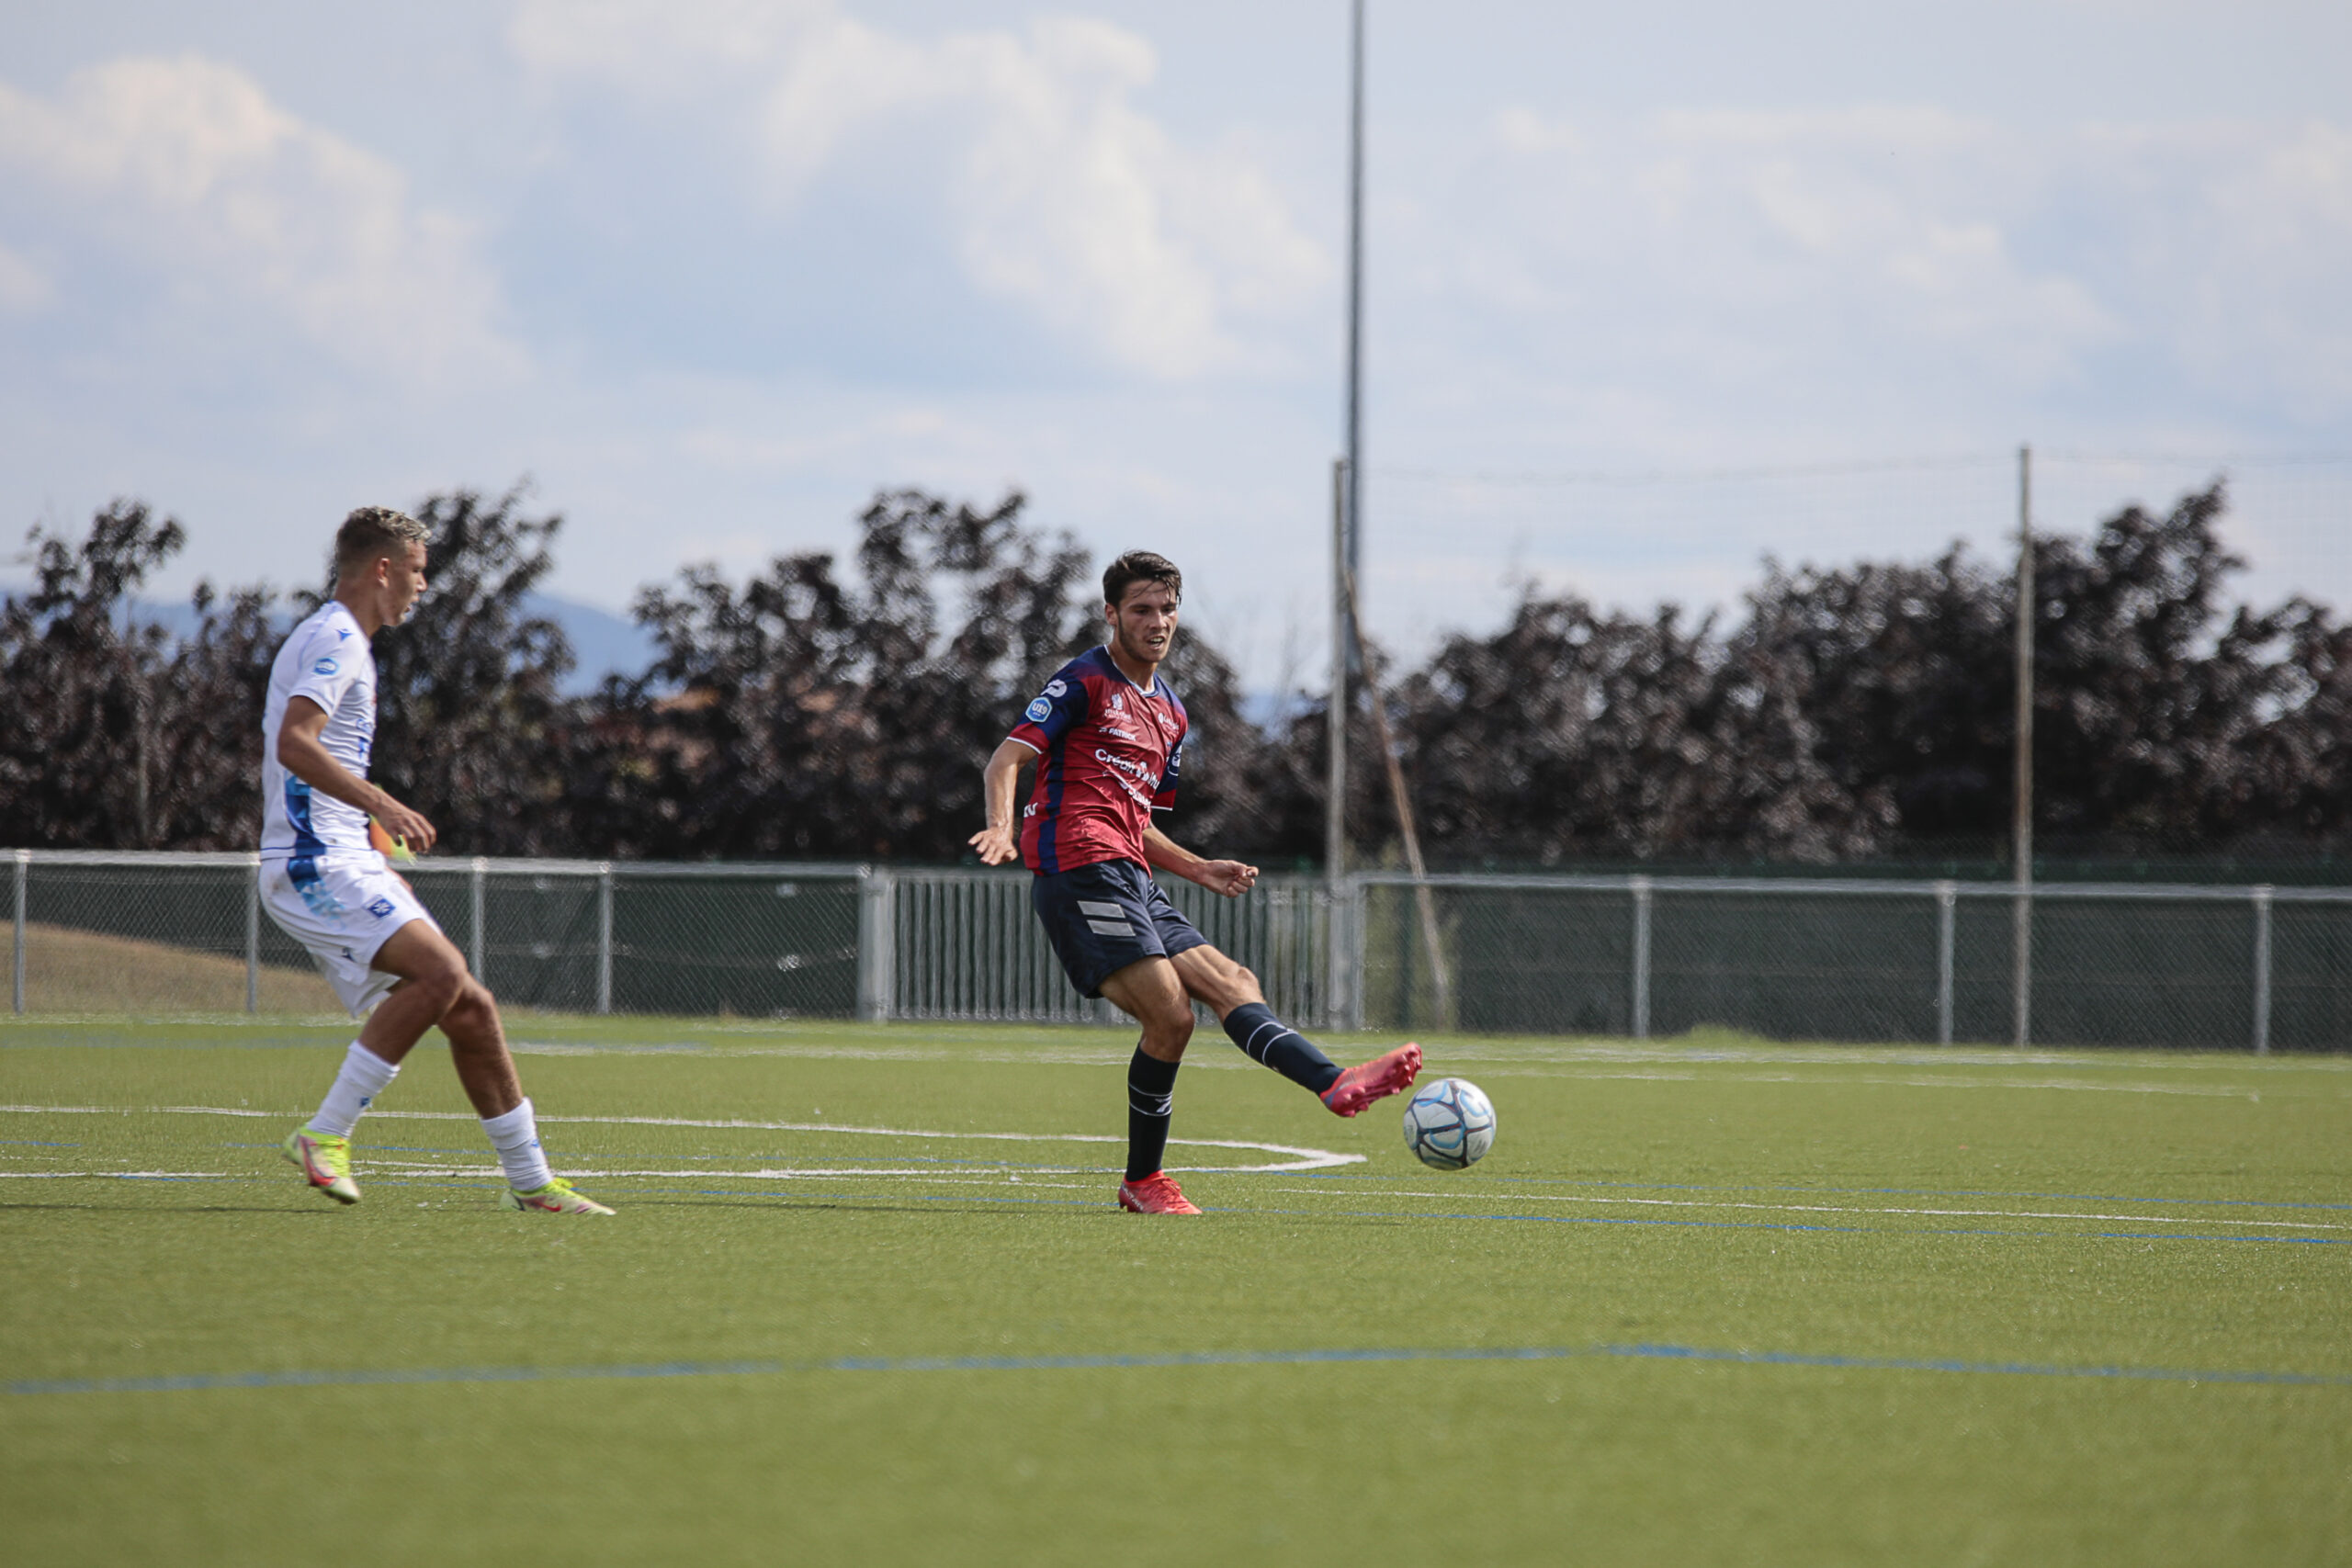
<point>327,659</point>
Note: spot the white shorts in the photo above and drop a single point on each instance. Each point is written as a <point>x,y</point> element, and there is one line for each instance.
<point>342,907</point>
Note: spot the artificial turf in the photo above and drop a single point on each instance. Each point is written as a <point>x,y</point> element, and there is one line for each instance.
<point>1704,1303</point>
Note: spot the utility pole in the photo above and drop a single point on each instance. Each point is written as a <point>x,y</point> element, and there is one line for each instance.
<point>1346,487</point>
<point>1347,484</point>
<point>2021,804</point>
<point>1355,301</point>
<point>1335,783</point>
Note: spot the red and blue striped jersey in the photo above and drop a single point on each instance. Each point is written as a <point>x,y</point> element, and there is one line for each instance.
<point>1107,751</point>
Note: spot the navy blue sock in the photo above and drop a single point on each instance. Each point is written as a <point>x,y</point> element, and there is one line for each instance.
<point>1151,1101</point>
<point>1266,1038</point>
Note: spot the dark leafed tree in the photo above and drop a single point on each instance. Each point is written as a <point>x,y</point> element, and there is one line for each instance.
<point>1904,675</point>
<point>1572,733</point>
<point>1858,710</point>
<point>808,716</point>
<point>471,719</point>
<point>83,690</point>
<point>2151,693</point>
<point>208,747</point>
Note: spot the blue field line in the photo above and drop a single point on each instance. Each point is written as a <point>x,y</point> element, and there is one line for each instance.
<point>1872,1230</point>
<point>1831,1191</point>
<point>1145,1360</point>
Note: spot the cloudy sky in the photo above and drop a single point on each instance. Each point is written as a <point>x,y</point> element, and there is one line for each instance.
<point>1653,291</point>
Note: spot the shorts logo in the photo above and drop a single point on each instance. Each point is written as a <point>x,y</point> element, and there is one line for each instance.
<point>380,907</point>
<point>1040,711</point>
<point>325,667</point>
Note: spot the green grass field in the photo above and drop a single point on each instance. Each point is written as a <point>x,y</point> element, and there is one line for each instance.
<point>1705,1302</point>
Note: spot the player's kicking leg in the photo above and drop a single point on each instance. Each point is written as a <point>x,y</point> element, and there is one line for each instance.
<point>429,988</point>
<point>1231,992</point>
<point>1150,992</point>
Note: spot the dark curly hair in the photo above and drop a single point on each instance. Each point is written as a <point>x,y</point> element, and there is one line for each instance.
<point>1140,566</point>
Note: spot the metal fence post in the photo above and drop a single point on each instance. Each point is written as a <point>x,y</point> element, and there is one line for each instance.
<point>1336,977</point>
<point>1946,896</point>
<point>2021,963</point>
<point>2261,971</point>
<point>1641,886</point>
<point>605,937</point>
<point>24,865</point>
<point>474,917</point>
<point>253,937</point>
<point>878,942</point>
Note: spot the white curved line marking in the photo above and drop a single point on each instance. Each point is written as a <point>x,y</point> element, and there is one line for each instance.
<point>1300,1157</point>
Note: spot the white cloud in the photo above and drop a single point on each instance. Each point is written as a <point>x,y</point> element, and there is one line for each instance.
<point>1871,270</point>
<point>1061,195</point>
<point>209,212</point>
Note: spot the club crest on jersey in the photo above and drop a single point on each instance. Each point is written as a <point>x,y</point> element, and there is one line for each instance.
<point>325,667</point>
<point>1118,701</point>
<point>1039,711</point>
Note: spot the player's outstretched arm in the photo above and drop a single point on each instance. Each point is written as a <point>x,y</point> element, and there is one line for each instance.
<point>307,758</point>
<point>995,842</point>
<point>1230,877</point>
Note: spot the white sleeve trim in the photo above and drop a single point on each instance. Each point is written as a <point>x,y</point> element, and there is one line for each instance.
<point>1018,742</point>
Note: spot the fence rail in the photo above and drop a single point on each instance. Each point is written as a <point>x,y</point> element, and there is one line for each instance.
<point>2258,968</point>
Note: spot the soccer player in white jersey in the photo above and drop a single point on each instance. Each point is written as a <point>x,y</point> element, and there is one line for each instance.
<point>331,890</point>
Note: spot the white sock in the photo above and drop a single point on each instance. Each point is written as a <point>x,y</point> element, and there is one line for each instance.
<point>516,1136</point>
<point>365,1076</point>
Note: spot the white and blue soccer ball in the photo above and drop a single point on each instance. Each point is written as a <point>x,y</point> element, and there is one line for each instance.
<point>1449,1124</point>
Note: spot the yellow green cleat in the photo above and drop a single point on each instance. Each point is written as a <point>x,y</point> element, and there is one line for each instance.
<point>324,1160</point>
<point>556,1198</point>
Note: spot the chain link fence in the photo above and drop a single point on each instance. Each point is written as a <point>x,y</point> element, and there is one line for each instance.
<point>2258,968</point>
<point>2255,968</point>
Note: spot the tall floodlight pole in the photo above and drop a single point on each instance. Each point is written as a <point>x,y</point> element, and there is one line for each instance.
<point>2021,804</point>
<point>1355,300</point>
<point>1347,485</point>
<point>1335,783</point>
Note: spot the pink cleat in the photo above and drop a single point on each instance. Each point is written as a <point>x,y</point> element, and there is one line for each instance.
<point>1375,1079</point>
<point>1155,1194</point>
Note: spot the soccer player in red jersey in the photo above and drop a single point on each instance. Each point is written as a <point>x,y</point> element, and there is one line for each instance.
<point>1107,734</point>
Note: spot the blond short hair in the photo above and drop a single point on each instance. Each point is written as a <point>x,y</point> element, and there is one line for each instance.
<point>371,532</point>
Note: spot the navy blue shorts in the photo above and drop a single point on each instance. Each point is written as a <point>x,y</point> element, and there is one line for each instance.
<point>1104,917</point>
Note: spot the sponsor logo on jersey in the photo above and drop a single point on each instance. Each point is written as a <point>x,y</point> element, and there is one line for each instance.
<point>1056,688</point>
<point>1039,711</point>
<point>1123,767</point>
<point>380,907</point>
<point>1123,734</point>
<point>325,667</point>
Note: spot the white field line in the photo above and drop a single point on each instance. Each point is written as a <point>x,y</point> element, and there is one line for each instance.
<point>786,1173</point>
<point>1301,1158</point>
<point>1695,1075</point>
<point>1856,1209</point>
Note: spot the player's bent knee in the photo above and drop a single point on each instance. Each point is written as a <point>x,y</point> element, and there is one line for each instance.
<point>1170,1030</point>
<point>474,1001</point>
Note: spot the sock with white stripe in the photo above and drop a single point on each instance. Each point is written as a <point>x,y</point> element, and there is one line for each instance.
<point>516,1136</point>
<point>1151,1105</point>
<point>1265,1039</point>
<point>364,1075</point>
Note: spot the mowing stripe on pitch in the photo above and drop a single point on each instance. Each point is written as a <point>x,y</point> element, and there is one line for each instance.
<point>1152,1360</point>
